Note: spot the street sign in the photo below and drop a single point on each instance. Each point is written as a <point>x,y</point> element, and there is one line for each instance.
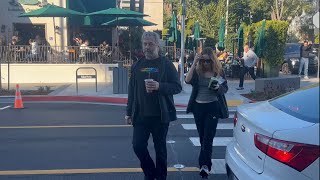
<point>86,76</point>
<point>315,19</point>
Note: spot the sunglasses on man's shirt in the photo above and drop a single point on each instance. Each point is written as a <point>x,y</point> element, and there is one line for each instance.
<point>206,61</point>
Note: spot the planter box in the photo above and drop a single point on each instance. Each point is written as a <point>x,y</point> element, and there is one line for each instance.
<point>278,84</point>
<point>270,71</point>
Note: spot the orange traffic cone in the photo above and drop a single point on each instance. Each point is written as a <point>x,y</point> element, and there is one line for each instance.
<point>18,104</point>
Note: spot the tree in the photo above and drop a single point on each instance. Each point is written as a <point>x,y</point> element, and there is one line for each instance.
<point>288,9</point>
<point>260,9</point>
<point>238,14</point>
<point>277,10</point>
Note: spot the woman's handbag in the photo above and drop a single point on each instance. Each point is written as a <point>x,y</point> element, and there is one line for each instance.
<point>223,106</point>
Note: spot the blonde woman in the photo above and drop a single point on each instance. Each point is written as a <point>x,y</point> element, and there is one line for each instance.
<point>207,102</point>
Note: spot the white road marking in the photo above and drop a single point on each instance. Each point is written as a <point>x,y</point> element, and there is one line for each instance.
<point>220,126</point>
<point>218,166</point>
<point>65,126</point>
<point>217,141</point>
<point>185,116</point>
<point>5,108</point>
<point>190,116</point>
<point>181,110</point>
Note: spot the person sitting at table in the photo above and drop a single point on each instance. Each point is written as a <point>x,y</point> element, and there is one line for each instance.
<point>34,51</point>
<point>104,51</point>
<point>84,48</point>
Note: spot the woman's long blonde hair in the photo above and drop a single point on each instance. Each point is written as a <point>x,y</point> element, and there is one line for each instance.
<point>216,65</point>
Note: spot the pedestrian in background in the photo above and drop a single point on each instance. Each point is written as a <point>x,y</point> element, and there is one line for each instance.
<point>207,102</point>
<point>153,82</point>
<point>249,61</point>
<point>306,49</point>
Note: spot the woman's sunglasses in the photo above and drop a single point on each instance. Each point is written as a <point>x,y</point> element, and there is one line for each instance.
<point>207,61</point>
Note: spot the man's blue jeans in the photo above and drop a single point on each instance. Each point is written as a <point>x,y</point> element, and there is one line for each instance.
<point>304,62</point>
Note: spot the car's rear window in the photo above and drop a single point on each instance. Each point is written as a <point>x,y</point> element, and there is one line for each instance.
<point>302,104</point>
<point>292,48</point>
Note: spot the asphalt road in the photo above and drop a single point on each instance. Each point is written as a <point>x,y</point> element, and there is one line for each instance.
<point>70,141</point>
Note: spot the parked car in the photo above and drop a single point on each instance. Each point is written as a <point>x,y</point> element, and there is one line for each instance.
<point>276,139</point>
<point>292,57</point>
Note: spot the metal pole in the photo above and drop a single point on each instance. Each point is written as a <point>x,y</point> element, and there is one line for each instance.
<point>54,31</point>
<point>318,60</point>
<point>249,32</point>
<point>227,18</point>
<point>1,54</point>
<point>8,74</point>
<point>181,62</point>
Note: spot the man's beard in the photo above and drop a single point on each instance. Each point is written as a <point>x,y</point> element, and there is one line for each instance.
<point>151,55</point>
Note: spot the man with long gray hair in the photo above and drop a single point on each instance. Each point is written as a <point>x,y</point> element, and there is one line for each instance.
<point>154,80</point>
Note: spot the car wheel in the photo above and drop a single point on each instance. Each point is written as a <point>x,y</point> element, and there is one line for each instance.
<point>285,68</point>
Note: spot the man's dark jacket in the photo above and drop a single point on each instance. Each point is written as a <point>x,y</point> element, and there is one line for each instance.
<point>305,51</point>
<point>169,84</point>
<point>224,112</point>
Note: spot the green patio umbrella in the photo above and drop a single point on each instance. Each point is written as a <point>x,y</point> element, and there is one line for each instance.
<point>259,46</point>
<point>117,12</point>
<point>189,43</point>
<point>52,11</point>
<point>129,21</point>
<point>173,31</point>
<point>221,35</point>
<point>240,41</point>
<point>196,33</point>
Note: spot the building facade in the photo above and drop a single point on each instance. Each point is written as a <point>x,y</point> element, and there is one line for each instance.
<point>27,28</point>
<point>64,30</point>
<point>153,8</point>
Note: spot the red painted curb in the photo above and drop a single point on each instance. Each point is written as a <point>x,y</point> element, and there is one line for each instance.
<point>77,99</point>
<point>115,100</point>
<point>181,105</point>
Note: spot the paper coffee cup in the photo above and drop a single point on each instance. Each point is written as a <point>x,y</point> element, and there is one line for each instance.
<point>146,81</point>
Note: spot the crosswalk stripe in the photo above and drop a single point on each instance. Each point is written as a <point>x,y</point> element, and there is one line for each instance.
<point>220,126</point>
<point>190,116</point>
<point>217,141</point>
<point>231,110</point>
<point>185,116</point>
<point>181,110</point>
<point>218,166</point>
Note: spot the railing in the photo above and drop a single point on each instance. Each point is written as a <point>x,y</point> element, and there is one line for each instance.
<point>56,54</point>
<point>73,54</point>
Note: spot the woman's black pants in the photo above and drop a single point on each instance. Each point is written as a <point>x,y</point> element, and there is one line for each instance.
<point>206,122</point>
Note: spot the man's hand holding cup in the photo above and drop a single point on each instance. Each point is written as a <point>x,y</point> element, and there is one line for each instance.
<point>151,85</point>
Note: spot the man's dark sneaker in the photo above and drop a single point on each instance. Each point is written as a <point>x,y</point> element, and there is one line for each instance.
<point>204,172</point>
<point>239,88</point>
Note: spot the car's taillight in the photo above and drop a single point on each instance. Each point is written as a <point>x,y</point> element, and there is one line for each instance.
<point>235,119</point>
<point>296,155</point>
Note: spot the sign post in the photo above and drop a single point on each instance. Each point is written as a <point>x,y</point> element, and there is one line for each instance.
<point>88,76</point>
<point>315,19</point>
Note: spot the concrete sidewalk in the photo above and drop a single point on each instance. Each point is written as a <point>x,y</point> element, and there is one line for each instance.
<point>87,93</point>
<point>88,89</point>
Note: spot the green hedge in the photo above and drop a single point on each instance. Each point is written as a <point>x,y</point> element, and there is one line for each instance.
<point>275,40</point>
